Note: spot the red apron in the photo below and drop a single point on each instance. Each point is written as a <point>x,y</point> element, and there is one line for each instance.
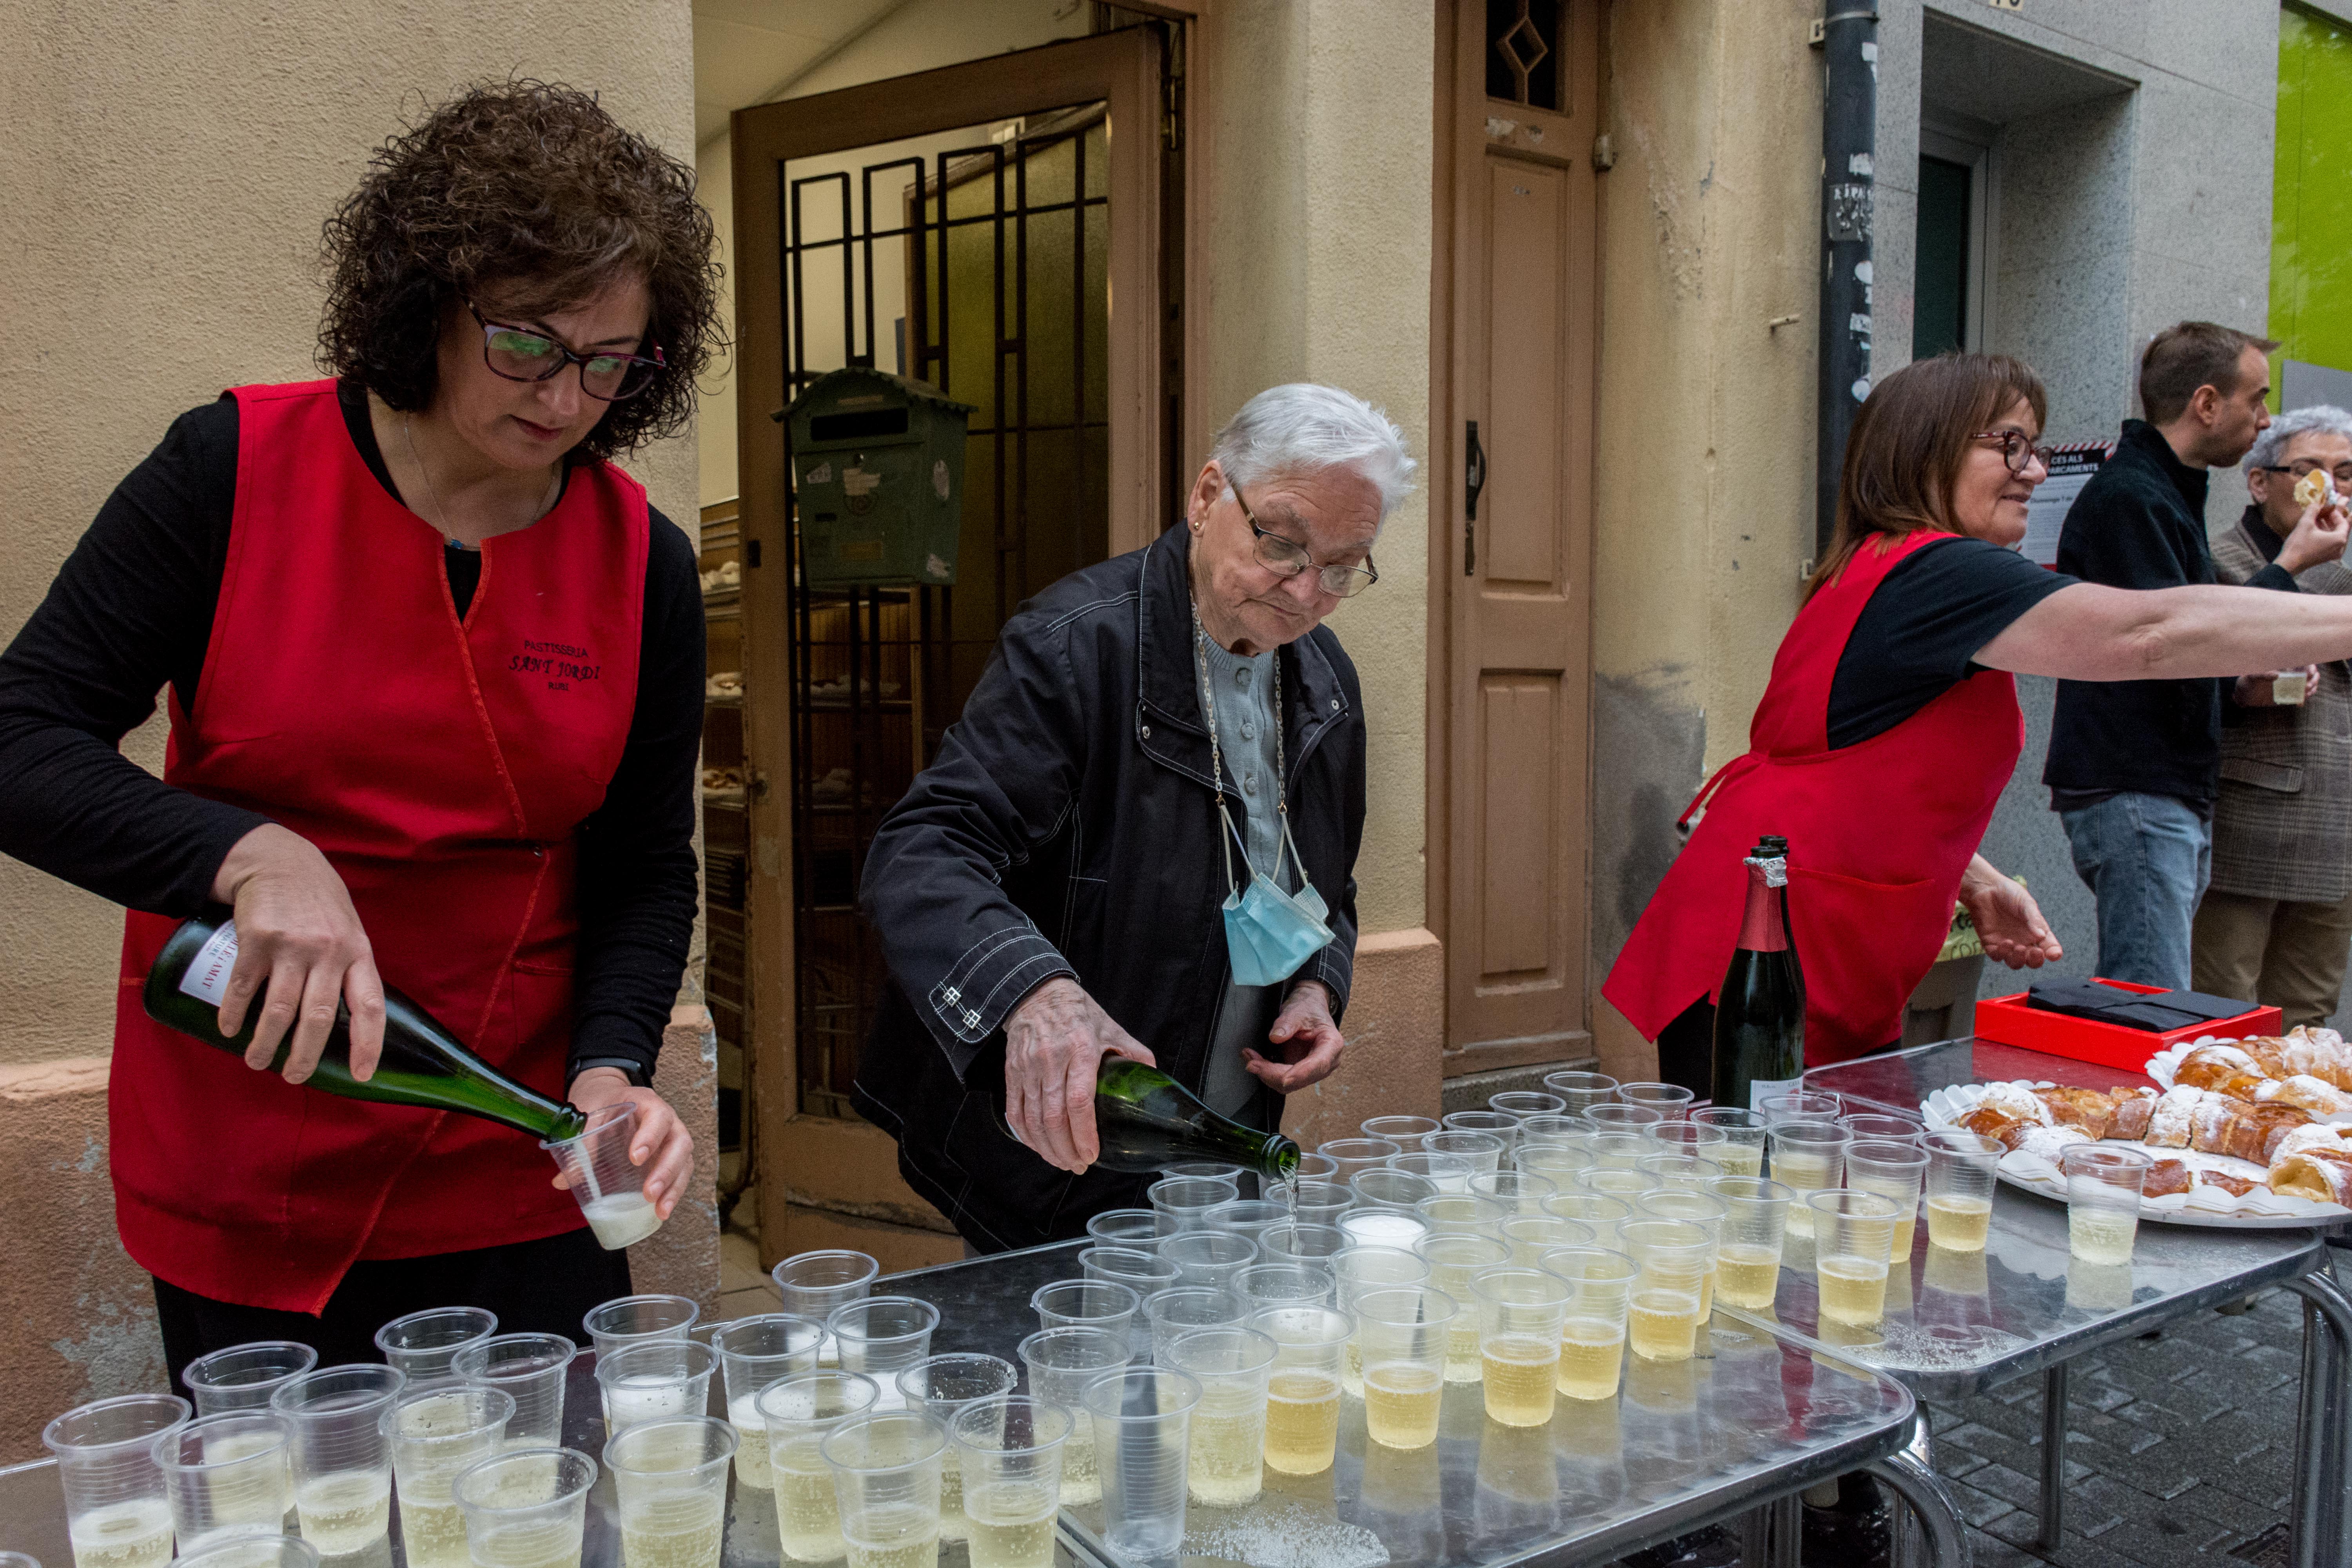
<point>444,768</point>
<point>1878,836</point>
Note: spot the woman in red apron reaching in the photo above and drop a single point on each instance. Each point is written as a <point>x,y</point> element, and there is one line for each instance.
<point>1891,722</point>
<point>435,670</point>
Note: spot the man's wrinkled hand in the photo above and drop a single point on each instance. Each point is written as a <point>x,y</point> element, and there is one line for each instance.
<point>1308,1039</point>
<point>1053,1043</point>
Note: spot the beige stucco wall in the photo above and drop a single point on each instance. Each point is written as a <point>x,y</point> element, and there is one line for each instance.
<point>1705,416</point>
<point>166,167</point>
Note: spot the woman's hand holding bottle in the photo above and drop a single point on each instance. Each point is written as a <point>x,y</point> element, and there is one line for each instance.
<point>300,950</point>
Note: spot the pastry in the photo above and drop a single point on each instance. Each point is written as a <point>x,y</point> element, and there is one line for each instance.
<point>2225,1069</point>
<point>2314,486</point>
<point>2312,1135</point>
<point>2304,1092</point>
<point>2135,1110</point>
<point>2323,1176</point>
<point>2050,1143</point>
<point>2236,1186</point>
<point>2087,1108</point>
<point>2165,1178</point>
<point>2016,1101</point>
<point>2167,1122</point>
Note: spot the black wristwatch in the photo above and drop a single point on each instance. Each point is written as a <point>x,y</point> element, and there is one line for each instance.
<point>635,1070</point>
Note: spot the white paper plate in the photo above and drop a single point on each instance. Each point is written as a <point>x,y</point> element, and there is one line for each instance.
<point>2260,1209</point>
<point>2165,1062</point>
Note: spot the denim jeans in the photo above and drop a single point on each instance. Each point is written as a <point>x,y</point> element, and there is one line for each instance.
<point>2146,858</point>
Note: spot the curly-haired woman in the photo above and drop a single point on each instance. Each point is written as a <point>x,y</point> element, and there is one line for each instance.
<point>435,670</point>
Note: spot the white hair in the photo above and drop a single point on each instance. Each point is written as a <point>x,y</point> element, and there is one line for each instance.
<point>1301,428</point>
<point>2323,419</point>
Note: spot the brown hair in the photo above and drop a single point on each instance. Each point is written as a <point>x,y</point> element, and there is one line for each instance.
<point>1904,455</point>
<point>2188,355</point>
<point>530,189</point>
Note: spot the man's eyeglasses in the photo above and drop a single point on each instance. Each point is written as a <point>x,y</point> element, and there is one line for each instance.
<point>2305,469</point>
<point>1289,558</point>
<point>518,353</point>
<point>2017,448</point>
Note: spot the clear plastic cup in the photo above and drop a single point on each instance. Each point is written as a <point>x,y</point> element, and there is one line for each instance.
<point>436,1432</point>
<point>1896,1171</point>
<point>237,1552</point>
<point>628,1320</point>
<point>1061,1364</point>
<point>1554,1129</point>
<point>1362,1269</point>
<point>424,1344</point>
<point>941,1386</point>
<point>1447,1173</point>
<point>1496,1124</point>
<point>882,1336</point>
<point>1233,1367</point>
<point>1383,1227</point>
<point>1755,1224</point>
<point>1530,1236</point>
<point>1183,1203</point>
<point>1353,1154</point>
<point>1318,1202</point>
<point>1617,1182</point>
<point>1521,1312</point>
<point>1961,1169</point>
<point>1403,1334</point>
<point>1462,1214</point>
<point>1247,1217</point>
<point>1010,1450</point>
<point>1875,1124</point>
<point>1808,1157</point>
<point>1124,1227</point>
<point>1670,1100</point>
<point>609,1186</point>
<point>1801,1105</point>
<point>1405,1132</point>
<point>1602,1212</point>
<point>1388,1189</point>
<point>343,1463</point>
<point>1454,1258</point>
<point>663,1380</point>
<point>243,1377</point>
<point>1518,1191</point>
<point>1741,1153</point>
<point>1292,1242</point>
<point>1558,1164</point>
<point>1189,1310</point>
<point>1686,1137</point>
<point>1302,1410</point>
<point>799,1413</point>
<point>753,1354</point>
<point>1853,1239</point>
<point>1314,1166</point>
<point>1621,1117</point>
<point>1592,1329</point>
<point>1622,1148</point>
<point>1103,1304</point>
<point>1145,1273</point>
<point>226,1476</point>
<point>1681,1173</point>
<point>814,1284</point>
<point>527,1508</point>
<point>1521,1103</point>
<point>1208,1170</point>
<point>1207,1258</point>
<point>1142,1420</point>
<point>530,1367</point>
<point>1703,1211</point>
<point>669,1485</point>
<point>886,1469</point>
<point>1267,1285</point>
<point>1580,1091</point>
<point>2103,1194</point>
<point>1661,1317</point>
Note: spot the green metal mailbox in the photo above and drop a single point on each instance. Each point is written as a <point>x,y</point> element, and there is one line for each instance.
<point>878,470</point>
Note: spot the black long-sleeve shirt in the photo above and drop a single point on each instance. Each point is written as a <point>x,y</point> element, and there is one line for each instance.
<point>2140,524</point>
<point>131,610</point>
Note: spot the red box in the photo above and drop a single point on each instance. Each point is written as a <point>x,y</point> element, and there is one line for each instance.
<point>2009,1021</point>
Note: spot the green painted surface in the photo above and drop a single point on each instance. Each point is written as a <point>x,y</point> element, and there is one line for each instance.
<point>2310,211</point>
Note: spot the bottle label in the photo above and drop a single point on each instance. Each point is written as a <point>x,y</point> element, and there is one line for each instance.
<point>1760,1090</point>
<point>207,976</point>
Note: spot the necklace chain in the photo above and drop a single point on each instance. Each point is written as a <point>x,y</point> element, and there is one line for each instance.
<point>440,509</point>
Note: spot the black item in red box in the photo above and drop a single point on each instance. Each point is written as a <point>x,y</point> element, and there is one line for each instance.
<point>2012,1021</point>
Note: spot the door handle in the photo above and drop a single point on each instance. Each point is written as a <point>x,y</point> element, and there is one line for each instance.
<point>1474,480</point>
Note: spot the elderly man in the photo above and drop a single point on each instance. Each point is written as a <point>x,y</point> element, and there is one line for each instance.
<point>1154,739</point>
<point>2277,922</point>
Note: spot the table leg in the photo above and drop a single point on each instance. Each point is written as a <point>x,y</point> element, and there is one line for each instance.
<point>1917,1483</point>
<point>2053,1457</point>
<point>2316,1510</point>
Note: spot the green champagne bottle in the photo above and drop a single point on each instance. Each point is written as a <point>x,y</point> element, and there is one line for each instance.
<point>1148,1121</point>
<point>423,1063</point>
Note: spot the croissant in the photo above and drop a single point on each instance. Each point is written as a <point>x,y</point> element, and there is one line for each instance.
<point>2306,1092</point>
<point>2319,1054</point>
<point>2223,1068</point>
<point>2324,1175</point>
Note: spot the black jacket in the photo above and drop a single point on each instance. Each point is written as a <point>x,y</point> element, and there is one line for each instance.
<point>1069,828</point>
<point>2140,524</point>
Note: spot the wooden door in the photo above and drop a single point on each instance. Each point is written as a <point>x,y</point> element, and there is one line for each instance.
<point>1024,191</point>
<point>1515,149</point>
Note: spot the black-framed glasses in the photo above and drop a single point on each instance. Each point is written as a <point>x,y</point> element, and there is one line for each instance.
<point>1289,558</point>
<point>2303,470</point>
<point>2017,448</point>
<point>518,353</point>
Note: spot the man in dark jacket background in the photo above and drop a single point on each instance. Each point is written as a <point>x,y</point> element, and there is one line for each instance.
<point>2133,766</point>
<point>1049,889</point>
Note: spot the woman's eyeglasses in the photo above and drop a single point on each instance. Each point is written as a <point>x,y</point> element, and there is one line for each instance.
<point>518,353</point>
<point>2017,448</point>
<point>2341,472</point>
<point>1289,558</point>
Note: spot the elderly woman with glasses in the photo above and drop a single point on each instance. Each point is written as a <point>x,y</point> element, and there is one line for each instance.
<point>434,670</point>
<point>1890,723</point>
<point>1140,837</point>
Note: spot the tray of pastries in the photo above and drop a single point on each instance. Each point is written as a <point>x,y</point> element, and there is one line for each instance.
<point>2221,1159</point>
<point>2308,1068</point>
